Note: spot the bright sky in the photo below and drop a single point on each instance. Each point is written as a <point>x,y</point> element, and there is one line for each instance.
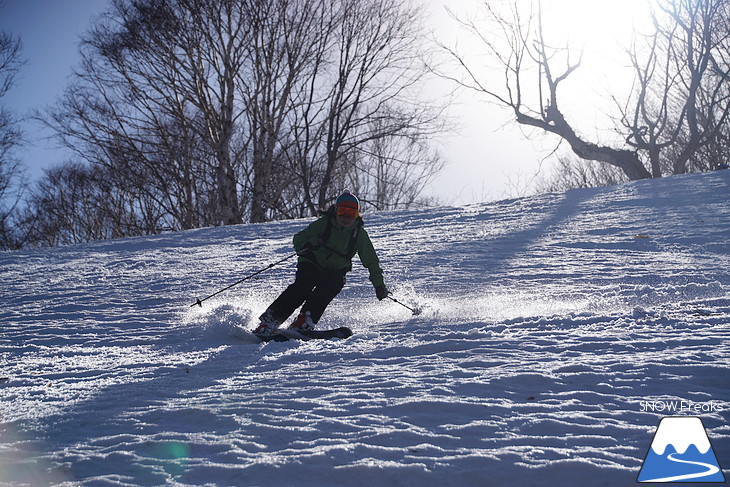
<point>488,158</point>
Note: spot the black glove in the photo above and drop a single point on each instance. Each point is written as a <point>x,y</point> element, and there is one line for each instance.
<point>313,244</point>
<point>381,292</point>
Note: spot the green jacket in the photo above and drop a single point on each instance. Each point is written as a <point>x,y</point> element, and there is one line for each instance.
<point>333,254</point>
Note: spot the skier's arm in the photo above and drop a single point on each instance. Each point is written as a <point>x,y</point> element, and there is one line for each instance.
<point>369,258</point>
<point>312,231</point>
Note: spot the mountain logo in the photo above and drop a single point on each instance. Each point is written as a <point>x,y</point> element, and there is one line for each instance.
<point>680,452</point>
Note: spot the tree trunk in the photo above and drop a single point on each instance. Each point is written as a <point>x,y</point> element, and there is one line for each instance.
<point>554,122</point>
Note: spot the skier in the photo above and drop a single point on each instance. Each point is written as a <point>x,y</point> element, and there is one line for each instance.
<point>326,249</point>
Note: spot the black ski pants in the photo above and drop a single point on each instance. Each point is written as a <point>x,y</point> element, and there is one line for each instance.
<point>313,287</point>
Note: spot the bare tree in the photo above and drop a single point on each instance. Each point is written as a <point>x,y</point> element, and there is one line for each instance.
<point>11,137</point>
<point>215,34</point>
<point>681,74</point>
<point>391,172</point>
<point>287,44</point>
<point>155,92</point>
<point>252,107</point>
<point>572,173</point>
<point>371,95</point>
<point>351,71</point>
<point>74,203</point>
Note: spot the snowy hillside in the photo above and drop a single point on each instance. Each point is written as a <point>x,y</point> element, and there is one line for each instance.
<point>557,331</point>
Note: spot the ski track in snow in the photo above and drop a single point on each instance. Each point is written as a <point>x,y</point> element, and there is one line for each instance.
<point>547,320</point>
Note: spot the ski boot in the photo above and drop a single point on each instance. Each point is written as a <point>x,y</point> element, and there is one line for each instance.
<point>267,324</point>
<point>303,322</point>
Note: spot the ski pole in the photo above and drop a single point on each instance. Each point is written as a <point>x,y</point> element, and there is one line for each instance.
<point>416,311</point>
<point>199,302</point>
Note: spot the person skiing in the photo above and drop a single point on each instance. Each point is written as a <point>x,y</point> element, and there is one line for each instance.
<point>326,248</point>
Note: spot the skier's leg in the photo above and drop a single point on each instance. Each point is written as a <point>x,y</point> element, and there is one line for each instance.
<point>328,286</point>
<point>293,296</point>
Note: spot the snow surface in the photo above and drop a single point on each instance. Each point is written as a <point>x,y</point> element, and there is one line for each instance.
<point>550,325</point>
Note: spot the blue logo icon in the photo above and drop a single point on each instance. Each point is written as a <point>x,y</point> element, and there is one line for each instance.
<point>681,452</point>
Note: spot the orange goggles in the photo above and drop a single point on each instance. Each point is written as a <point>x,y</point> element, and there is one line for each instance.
<point>346,211</point>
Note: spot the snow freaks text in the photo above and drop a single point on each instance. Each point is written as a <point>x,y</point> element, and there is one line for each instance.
<point>678,406</point>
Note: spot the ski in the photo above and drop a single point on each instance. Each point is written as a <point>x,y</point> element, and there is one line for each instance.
<point>283,335</point>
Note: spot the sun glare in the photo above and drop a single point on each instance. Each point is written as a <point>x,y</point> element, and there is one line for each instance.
<point>602,30</point>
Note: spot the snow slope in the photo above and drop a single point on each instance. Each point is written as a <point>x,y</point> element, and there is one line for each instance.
<point>557,331</point>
